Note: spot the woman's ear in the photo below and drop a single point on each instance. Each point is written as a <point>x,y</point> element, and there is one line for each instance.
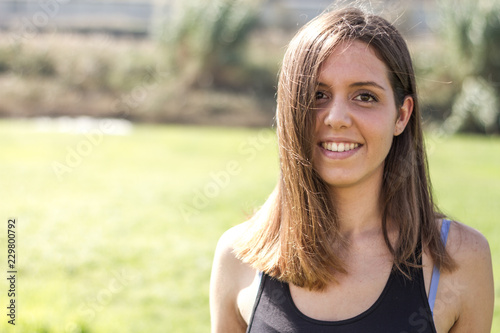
<point>404,115</point>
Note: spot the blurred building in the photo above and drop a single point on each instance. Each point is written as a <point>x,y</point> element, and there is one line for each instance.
<point>137,17</point>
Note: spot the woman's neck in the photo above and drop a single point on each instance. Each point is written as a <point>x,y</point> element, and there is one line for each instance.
<point>359,208</point>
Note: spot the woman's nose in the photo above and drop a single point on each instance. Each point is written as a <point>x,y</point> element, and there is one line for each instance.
<point>338,115</point>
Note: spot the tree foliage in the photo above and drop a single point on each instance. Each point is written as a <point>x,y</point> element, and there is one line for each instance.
<point>471,31</point>
<point>204,38</point>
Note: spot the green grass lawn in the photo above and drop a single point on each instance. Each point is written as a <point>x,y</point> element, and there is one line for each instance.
<point>117,233</point>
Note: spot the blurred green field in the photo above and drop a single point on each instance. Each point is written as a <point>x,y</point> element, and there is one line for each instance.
<point>117,233</point>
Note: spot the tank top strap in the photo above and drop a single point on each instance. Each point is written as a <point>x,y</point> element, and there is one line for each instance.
<point>445,228</point>
<point>262,278</point>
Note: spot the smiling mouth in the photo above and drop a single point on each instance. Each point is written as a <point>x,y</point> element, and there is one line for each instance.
<point>339,147</point>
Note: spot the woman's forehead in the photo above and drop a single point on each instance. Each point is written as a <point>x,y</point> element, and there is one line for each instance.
<point>356,60</point>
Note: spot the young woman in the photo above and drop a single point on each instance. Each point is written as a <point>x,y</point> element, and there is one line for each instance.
<point>350,240</point>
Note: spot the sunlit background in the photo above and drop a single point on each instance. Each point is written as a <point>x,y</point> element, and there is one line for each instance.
<point>134,132</point>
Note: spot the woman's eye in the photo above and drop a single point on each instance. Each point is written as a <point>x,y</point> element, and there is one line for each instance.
<point>366,97</point>
<point>320,95</point>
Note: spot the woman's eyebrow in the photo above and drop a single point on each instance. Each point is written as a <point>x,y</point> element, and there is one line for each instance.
<point>355,84</point>
<point>367,83</point>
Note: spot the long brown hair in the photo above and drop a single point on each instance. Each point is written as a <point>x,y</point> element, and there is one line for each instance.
<point>295,236</point>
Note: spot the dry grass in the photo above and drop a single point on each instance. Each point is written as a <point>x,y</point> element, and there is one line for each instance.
<point>103,76</point>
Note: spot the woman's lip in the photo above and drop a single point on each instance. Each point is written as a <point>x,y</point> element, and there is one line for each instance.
<point>337,139</point>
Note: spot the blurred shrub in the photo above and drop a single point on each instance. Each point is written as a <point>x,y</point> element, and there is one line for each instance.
<point>208,64</point>
<point>471,31</point>
<point>205,41</point>
<point>213,75</point>
<point>5,56</point>
<point>63,74</point>
<point>86,73</point>
<point>24,62</point>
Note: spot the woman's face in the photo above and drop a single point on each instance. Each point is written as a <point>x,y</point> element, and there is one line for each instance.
<point>356,117</point>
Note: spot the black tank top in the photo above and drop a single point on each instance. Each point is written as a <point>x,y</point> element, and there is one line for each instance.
<point>402,307</point>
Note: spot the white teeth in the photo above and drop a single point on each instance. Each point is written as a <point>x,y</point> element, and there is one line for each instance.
<point>340,147</point>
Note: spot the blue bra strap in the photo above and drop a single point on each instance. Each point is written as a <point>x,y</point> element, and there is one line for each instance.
<point>445,227</point>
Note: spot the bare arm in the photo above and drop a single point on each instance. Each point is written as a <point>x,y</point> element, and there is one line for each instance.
<point>225,284</point>
<point>475,276</point>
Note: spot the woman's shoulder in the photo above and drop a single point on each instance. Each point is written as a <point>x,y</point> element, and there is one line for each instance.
<point>228,270</point>
<point>471,283</point>
<point>467,245</point>
<point>230,277</point>
<point>227,243</point>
